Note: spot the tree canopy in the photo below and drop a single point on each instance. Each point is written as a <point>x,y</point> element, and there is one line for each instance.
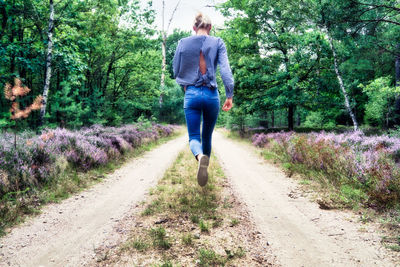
<point>316,63</point>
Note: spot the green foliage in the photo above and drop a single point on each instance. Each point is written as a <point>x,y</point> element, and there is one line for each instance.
<point>314,119</point>
<point>171,110</point>
<point>394,132</point>
<point>318,119</point>
<point>106,65</point>
<point>349,194</point>
<point>381,96</point>
<point>64,110</point>
<point>210,258</point>
<point>283,63</point>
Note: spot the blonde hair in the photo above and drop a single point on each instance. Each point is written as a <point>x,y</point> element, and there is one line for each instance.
<point>202,21</point>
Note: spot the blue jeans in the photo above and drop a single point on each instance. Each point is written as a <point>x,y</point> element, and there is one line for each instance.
<point>201,101</point>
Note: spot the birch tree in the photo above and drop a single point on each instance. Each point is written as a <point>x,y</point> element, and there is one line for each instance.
<point>48,63</point>
<point>340,80</point>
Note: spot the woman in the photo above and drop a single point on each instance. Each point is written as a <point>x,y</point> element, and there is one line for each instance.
<point>195,64</point>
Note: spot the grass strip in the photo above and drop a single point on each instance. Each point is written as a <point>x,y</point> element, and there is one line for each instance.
<point>182,224</point>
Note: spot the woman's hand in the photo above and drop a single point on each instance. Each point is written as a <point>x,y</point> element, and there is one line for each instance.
<point>228,104</point>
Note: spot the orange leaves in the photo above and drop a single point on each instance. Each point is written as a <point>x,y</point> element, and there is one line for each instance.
<point>12,92</point>
<point>47,136</point>
<point>37,103</point>
<point>8,92</point>
<point>19,89</point>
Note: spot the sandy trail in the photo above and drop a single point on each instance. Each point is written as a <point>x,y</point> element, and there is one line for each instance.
<point>67,233</point>
<point>298,231</point>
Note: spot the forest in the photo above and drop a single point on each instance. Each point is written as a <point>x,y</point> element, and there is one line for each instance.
<point>105,62</point>
<point>313,63</point>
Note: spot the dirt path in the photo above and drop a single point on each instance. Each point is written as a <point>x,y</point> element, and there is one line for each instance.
<point>298,231</point>
<point>66,234</point>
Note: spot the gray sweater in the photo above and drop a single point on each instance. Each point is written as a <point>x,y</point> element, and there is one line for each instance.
<point>187,58</point>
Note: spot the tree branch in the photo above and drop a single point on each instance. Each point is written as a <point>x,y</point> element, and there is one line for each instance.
<point>376,20</point>
<point>172,15</point>
<point>379,6</point>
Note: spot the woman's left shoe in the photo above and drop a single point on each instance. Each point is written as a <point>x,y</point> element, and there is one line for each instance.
<point>202,173</point>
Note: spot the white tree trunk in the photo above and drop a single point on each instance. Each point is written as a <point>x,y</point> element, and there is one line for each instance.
<point>163,68</point>
<point>164,55</point>
<point>163,49</point>
<point>341,84</point>
<point>48,63</point>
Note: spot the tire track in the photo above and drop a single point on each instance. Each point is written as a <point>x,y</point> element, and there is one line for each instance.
<point>67,233</point>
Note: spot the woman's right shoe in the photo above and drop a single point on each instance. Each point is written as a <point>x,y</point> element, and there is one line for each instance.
<point>202,173</point>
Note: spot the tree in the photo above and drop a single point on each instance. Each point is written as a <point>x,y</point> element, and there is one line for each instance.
<point>105,61</point>
<point>341,84</point>
<point>279,30</point>
<point>381,96</point>
<point>48,62</point>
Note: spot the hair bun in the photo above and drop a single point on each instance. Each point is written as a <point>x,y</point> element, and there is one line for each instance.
<point>202,21</point>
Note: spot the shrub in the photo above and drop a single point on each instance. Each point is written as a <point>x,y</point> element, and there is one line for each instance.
<point>367,162</point>
<point>38,159</point>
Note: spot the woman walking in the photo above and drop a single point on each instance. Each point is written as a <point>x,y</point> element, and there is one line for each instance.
<point>195,65</point>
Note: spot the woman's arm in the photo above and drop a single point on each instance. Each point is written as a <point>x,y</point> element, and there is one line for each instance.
<point>228,104</point>
<point>225,69</point>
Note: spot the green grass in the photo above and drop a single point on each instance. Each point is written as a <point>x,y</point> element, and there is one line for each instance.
<point>159,236</point>
<point>344,196</point>
<point>204,226</point>
<point>148,211</point>
<point>394,247</point>
<point>392,242</point>
<point>208,257</point>
<point>234,222</point>
<point>351,195</point>
<point>238,253</point>
<point>167,264</point>
<point>13,210</point>
<point>187,239</point>
<point>138,243</point>
<point>194,218</point>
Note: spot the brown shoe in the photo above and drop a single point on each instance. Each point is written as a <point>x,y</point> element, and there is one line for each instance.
<point>202,174</point>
